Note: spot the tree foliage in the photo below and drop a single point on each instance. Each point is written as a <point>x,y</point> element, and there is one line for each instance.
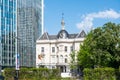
<point>101,47</point>
<point>73,63</point>
<point>73,60</point>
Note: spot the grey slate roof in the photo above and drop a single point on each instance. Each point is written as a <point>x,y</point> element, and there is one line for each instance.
<point>52,37</point>
<point>72,36</point>
<point>46,36</point>
<point>82,34</point>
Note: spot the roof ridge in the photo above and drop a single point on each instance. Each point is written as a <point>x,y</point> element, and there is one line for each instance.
<point>47,35</point>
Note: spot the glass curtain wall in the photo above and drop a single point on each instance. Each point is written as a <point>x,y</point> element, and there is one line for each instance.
<point>29,28</point>
<point>8,31</point>
<point>21,23</point>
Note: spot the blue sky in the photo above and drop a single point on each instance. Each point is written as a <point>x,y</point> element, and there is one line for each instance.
<point>79,14</point>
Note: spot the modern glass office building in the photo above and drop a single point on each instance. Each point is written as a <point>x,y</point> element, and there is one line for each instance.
<point>21,23</point>
<point>30,27</point>
<point>8,31</point>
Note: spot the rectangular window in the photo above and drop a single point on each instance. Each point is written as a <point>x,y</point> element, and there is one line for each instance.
<point>65,48</point>
<point>65,60</point>
<point>42,49</point>
<point>71,48</point>
<point>53,49</point>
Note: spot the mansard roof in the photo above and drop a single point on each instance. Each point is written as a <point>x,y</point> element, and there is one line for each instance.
<point>81,34</point>
<point>46,36</point>
<point>62,32</point>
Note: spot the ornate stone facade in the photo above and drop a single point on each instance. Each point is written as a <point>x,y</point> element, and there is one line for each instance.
<point>53,51</point>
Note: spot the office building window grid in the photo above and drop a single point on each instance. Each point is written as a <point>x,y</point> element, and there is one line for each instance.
<point>21,23</point>
<point>7,32</point>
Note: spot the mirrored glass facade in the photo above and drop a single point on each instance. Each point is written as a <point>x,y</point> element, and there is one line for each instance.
<point>21,23</point>
<point>29,26</point>
<point>8,31</point>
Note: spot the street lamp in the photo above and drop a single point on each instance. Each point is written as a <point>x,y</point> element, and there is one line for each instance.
<point>19,54</point>
<point>17,61</point>
<point>0,68</point>
<point>17,66</point>
<point>17,57</point>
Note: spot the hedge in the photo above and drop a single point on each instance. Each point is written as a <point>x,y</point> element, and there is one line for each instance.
<point>101,74</point>
<point>32,74</point>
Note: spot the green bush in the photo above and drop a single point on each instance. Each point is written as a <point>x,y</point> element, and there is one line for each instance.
<point>9,73</point>
<point>99,74</point>
<point>32,74</point>
<point>117,74</point>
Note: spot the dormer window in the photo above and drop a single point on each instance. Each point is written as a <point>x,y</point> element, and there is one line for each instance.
<point>82,34</point>
<point>63,34</point>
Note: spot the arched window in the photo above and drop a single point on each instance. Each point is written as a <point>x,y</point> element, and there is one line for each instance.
<point>66,60</point>
<point>61,58</point>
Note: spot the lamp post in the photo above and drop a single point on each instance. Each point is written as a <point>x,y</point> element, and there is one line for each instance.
<point>0,68</point>
<point>17,61</point>
<point>19,55</point>
<point>17,66</point>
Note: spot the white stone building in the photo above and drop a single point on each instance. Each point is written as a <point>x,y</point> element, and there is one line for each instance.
<point>53,51</point>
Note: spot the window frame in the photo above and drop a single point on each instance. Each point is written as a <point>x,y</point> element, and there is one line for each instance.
<point>42,50</point>
<point>66,49</point>
<point>53,49</point>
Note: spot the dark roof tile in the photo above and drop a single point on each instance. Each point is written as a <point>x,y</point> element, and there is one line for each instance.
<point>46,36</point>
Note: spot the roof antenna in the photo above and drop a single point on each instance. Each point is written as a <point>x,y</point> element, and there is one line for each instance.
<point>62,16</point>
<point>62,22</point>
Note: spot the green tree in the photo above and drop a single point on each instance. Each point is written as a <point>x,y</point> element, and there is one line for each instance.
<point>73,63</point>
<point>101,48</point>
<point>73,60</point>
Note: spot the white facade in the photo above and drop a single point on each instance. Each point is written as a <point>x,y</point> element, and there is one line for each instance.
<point>53,51</point>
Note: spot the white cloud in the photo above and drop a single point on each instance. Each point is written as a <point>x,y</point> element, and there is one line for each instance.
<point>87,22</point>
